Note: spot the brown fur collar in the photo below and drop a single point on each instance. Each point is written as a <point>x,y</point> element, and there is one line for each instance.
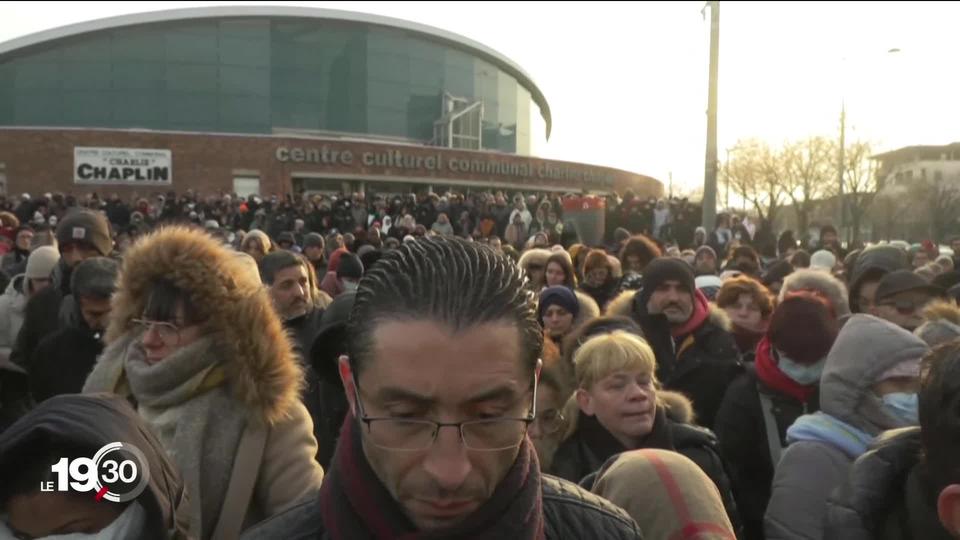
<point>261,369</point>
<point>942,311</point>
<point>677,406</point>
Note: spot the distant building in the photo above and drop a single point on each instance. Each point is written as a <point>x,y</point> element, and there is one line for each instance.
<point>910,164</point>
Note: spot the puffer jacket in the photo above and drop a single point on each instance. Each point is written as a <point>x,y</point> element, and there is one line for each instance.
<point>581,456</point>
<point>817,461</point>
<point>741,427</point>
<point>569,513</point>
<point>885,496</point>
<point>700,365</point>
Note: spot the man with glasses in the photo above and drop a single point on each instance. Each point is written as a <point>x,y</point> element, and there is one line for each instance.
<point>442,386</point>
<point>901,297</point>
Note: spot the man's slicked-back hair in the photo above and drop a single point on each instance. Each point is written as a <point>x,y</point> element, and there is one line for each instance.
<point>450,281</point>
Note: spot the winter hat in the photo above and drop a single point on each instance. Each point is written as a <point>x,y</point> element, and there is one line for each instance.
<point>803,328</point>
<point>947,280</point>
<point>41,262</point>
<point>942,323</point>
<point>706,249</point>
<point>88,227</point>
<point>823,260</point>
<point>558,295</point>
<point>350,267</point>
<point>364,249</point>
<point>904,281</point>
<point>313,240</point>
<point>709,285</point>
<point>96,277</point>
<point>700,230</point>
<point>778,272</point>
<point>331,339</point>
<point>286,237</point>
<point>211,224</point>
<point>661,270</point>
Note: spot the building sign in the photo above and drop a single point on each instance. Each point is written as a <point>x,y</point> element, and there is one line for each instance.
<point>123,166</point>
<point>444,164</point>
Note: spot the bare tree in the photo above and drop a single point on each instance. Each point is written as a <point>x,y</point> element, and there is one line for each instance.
<point>809,170</point>
<point>861,184</point>
<point>755,173</point>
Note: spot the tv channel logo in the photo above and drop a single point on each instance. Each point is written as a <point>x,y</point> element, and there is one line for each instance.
<point>118,472</point>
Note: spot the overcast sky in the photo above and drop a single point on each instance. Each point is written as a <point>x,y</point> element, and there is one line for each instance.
<point>627,82</point>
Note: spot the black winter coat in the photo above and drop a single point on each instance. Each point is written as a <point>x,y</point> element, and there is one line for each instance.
<point>604,293</point>
<point>304,330</point>
<point>741,428</point>
<point>581,456</point>
<point>886,496</point>
<point>569,513</point>
<point>62,361</point>
<point>700,366</point>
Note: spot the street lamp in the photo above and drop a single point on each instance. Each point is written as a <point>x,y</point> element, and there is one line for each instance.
<point>841,160</point>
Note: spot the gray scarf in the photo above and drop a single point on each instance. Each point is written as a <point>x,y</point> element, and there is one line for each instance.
<point>199,423</point>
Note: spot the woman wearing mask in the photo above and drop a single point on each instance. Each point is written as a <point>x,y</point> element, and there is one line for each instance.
<point>196,344</point>
<point>869,385</point>
<point>775,390</point>
<point>621,408</point>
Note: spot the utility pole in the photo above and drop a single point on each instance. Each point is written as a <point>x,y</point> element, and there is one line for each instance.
<point>710,164</point>
<point>841,169</point>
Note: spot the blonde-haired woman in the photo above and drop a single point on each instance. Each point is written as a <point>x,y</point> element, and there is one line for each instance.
<point>621,408</point>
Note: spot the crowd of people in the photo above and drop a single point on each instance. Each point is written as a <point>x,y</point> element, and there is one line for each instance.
<point>366,367</point>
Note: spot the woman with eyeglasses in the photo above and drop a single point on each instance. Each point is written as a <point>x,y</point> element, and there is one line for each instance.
<point>195,344</point>
<point>622,408</point>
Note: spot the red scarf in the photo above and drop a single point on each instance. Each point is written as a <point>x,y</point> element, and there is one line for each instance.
<point>355,504</point>
<point>770,374</point>
<point>701,310</point>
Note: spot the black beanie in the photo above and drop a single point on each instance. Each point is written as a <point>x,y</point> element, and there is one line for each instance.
<point>665,269</point>
<point>96,277</point>
<point>88,227</point>
<point>350,267</point>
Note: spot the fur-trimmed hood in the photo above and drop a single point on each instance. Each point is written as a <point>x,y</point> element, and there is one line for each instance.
<point>589,309</point>
<point>534,256</point>
<point>259,364</point>
<point>941,323</point>
<point>622,306</point>
<point>678,407</point>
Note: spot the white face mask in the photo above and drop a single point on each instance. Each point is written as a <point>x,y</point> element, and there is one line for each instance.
<point>129,524</point>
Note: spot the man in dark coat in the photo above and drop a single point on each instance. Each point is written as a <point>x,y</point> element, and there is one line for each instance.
<point>81,235</point>
<point>907,487</point>
<point>441,384</point>
<point>285,275</point>
<point>696,353</point>
<point>63,360</point>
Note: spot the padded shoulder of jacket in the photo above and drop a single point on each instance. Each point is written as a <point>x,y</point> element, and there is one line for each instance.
<point>571,512</point>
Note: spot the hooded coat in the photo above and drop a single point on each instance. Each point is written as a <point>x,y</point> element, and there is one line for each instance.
<point>581,456</point>
<point>813,467</point>
<point>701,366</point>
<point>886,495</point>
<point>874,261</point>
<point>741,426</point>
<point>668,495</point>
<point>90,422</point>
<point>234,423</point>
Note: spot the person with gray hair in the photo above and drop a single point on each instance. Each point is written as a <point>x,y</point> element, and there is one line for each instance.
<point>61,362</point>
<point>821,282</point>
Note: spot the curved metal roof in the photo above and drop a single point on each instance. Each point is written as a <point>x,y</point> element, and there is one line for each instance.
<point>171,15</point>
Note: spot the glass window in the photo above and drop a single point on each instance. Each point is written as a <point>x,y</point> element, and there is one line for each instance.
<point>87,75</point>
<point>244,80</point>
<point>139,75</point>
<point>192,77</point>
<point>37,76</point>
<point>192,47</point>
<point>88,50</point>
<point>246,186</point>
<point>40,107</point>
<point>86,108</point>
<point>244,52</point>
<point>138,44</point>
